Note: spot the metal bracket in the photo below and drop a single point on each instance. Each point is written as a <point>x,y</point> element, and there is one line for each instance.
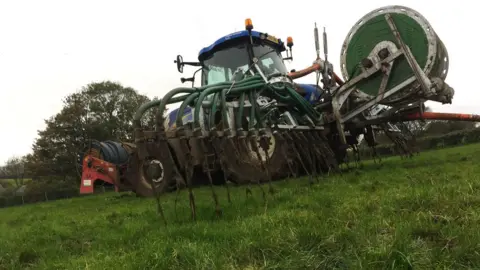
<point>341,94</point>
<point>419,74</point>
<point>377,99</point>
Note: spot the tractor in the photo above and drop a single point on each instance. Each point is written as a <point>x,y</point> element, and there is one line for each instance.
<point>249,122</point>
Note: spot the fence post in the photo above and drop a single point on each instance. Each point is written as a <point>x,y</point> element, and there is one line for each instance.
<point>23,201</point>
<point>46,197</point>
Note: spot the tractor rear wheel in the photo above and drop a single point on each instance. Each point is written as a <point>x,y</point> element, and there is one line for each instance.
<point>158,168</point>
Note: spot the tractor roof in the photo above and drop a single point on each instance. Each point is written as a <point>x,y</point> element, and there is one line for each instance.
<point>232,38</point>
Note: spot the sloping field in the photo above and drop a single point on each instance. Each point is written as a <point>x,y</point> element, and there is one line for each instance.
<point>422,212</point>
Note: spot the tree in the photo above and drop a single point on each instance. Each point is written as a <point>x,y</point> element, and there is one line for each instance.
<point>440,127</point>
<point>14,168</point>
<point>100,111</point>
<point>3,172</point>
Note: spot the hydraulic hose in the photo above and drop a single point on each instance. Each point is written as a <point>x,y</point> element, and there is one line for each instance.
<point>251,119</point>
<point>213,111</point>
<point>167,100</point>
<point>181,110</point>
<point>258,115</point>
<point>304,106</point>
<point>241,106</point>
<point>442,116</point>
<point>279,93</point>
<point>198,105</point>
<point>148,105</point>
<point>224,109</point>
<point>304,72</point>
<point>237,89</point>
<point>255,78</point>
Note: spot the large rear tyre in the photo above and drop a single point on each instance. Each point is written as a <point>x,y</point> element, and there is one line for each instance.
<point>158,168</point>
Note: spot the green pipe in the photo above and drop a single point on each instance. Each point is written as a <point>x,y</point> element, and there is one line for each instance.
<point>212,90</point>
<point>252,110</point>
<point>149,105</point>
<point>239,89</point>
<point>241,106</point>
<point>258,116</point>
<point>292,97</point>
<point>255,78</point>
<point>304,106</point>
<point>184,105</point>
<point>224,109</point>
<point>280,97</point>
<point>280,93</point>
<point>166,100</point>
<point>213,111</point>
<point>198,105</point>
<point>175,91</point>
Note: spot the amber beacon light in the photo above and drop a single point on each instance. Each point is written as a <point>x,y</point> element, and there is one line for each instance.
<point>289,41</point>
<point>248,24</point>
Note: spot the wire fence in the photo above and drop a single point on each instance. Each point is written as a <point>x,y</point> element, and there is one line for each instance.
<point>8,200</point>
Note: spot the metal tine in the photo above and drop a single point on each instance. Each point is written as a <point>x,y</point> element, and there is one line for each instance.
<point>265,146</point>
<point>291,142</point>
<point>356,154</point>
<point>325,151</point>
<point>279,138</point>
<point>252,137</point>
<point>216,142</point>
<point>157,198</point>
<point>303,142</point>
<point>179,187</point>
<point>316,152</point>
<point>225,179</point>
<point>242,146</point>
<point>154,187</point>
<point>205,142</point>
<point>324,156</point>
<point>188,171</point>
<point>311,152</point>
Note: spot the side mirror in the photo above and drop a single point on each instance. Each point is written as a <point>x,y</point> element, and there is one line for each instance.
<point>191,79</point>
<point>179,63</point>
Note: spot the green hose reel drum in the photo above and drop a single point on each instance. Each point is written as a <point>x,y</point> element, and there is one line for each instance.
<point>372,33</point>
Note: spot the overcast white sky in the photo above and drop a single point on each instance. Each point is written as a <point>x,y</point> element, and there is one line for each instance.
<point>49,49</point>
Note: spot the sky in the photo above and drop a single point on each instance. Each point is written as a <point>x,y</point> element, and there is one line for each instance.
<point>50,49</point>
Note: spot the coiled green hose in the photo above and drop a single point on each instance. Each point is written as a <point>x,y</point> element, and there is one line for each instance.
<point>245,88</point>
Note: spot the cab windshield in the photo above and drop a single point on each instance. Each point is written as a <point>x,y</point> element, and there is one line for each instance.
<point>221,66</point>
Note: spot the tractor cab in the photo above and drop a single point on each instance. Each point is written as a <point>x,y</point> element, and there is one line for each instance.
<point>231,57</point>
<point>243,54</point>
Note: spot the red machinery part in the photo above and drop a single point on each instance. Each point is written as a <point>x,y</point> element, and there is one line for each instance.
<point>94,169</point>
<point>442,116</point>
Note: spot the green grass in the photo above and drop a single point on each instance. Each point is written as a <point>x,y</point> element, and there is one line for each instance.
<point>422,213</point>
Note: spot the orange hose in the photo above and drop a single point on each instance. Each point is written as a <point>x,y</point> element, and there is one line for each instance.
<point>311,69</point>
<point>304,72</point>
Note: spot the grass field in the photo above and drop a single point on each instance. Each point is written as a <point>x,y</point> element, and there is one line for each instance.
<point>422,213</point>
